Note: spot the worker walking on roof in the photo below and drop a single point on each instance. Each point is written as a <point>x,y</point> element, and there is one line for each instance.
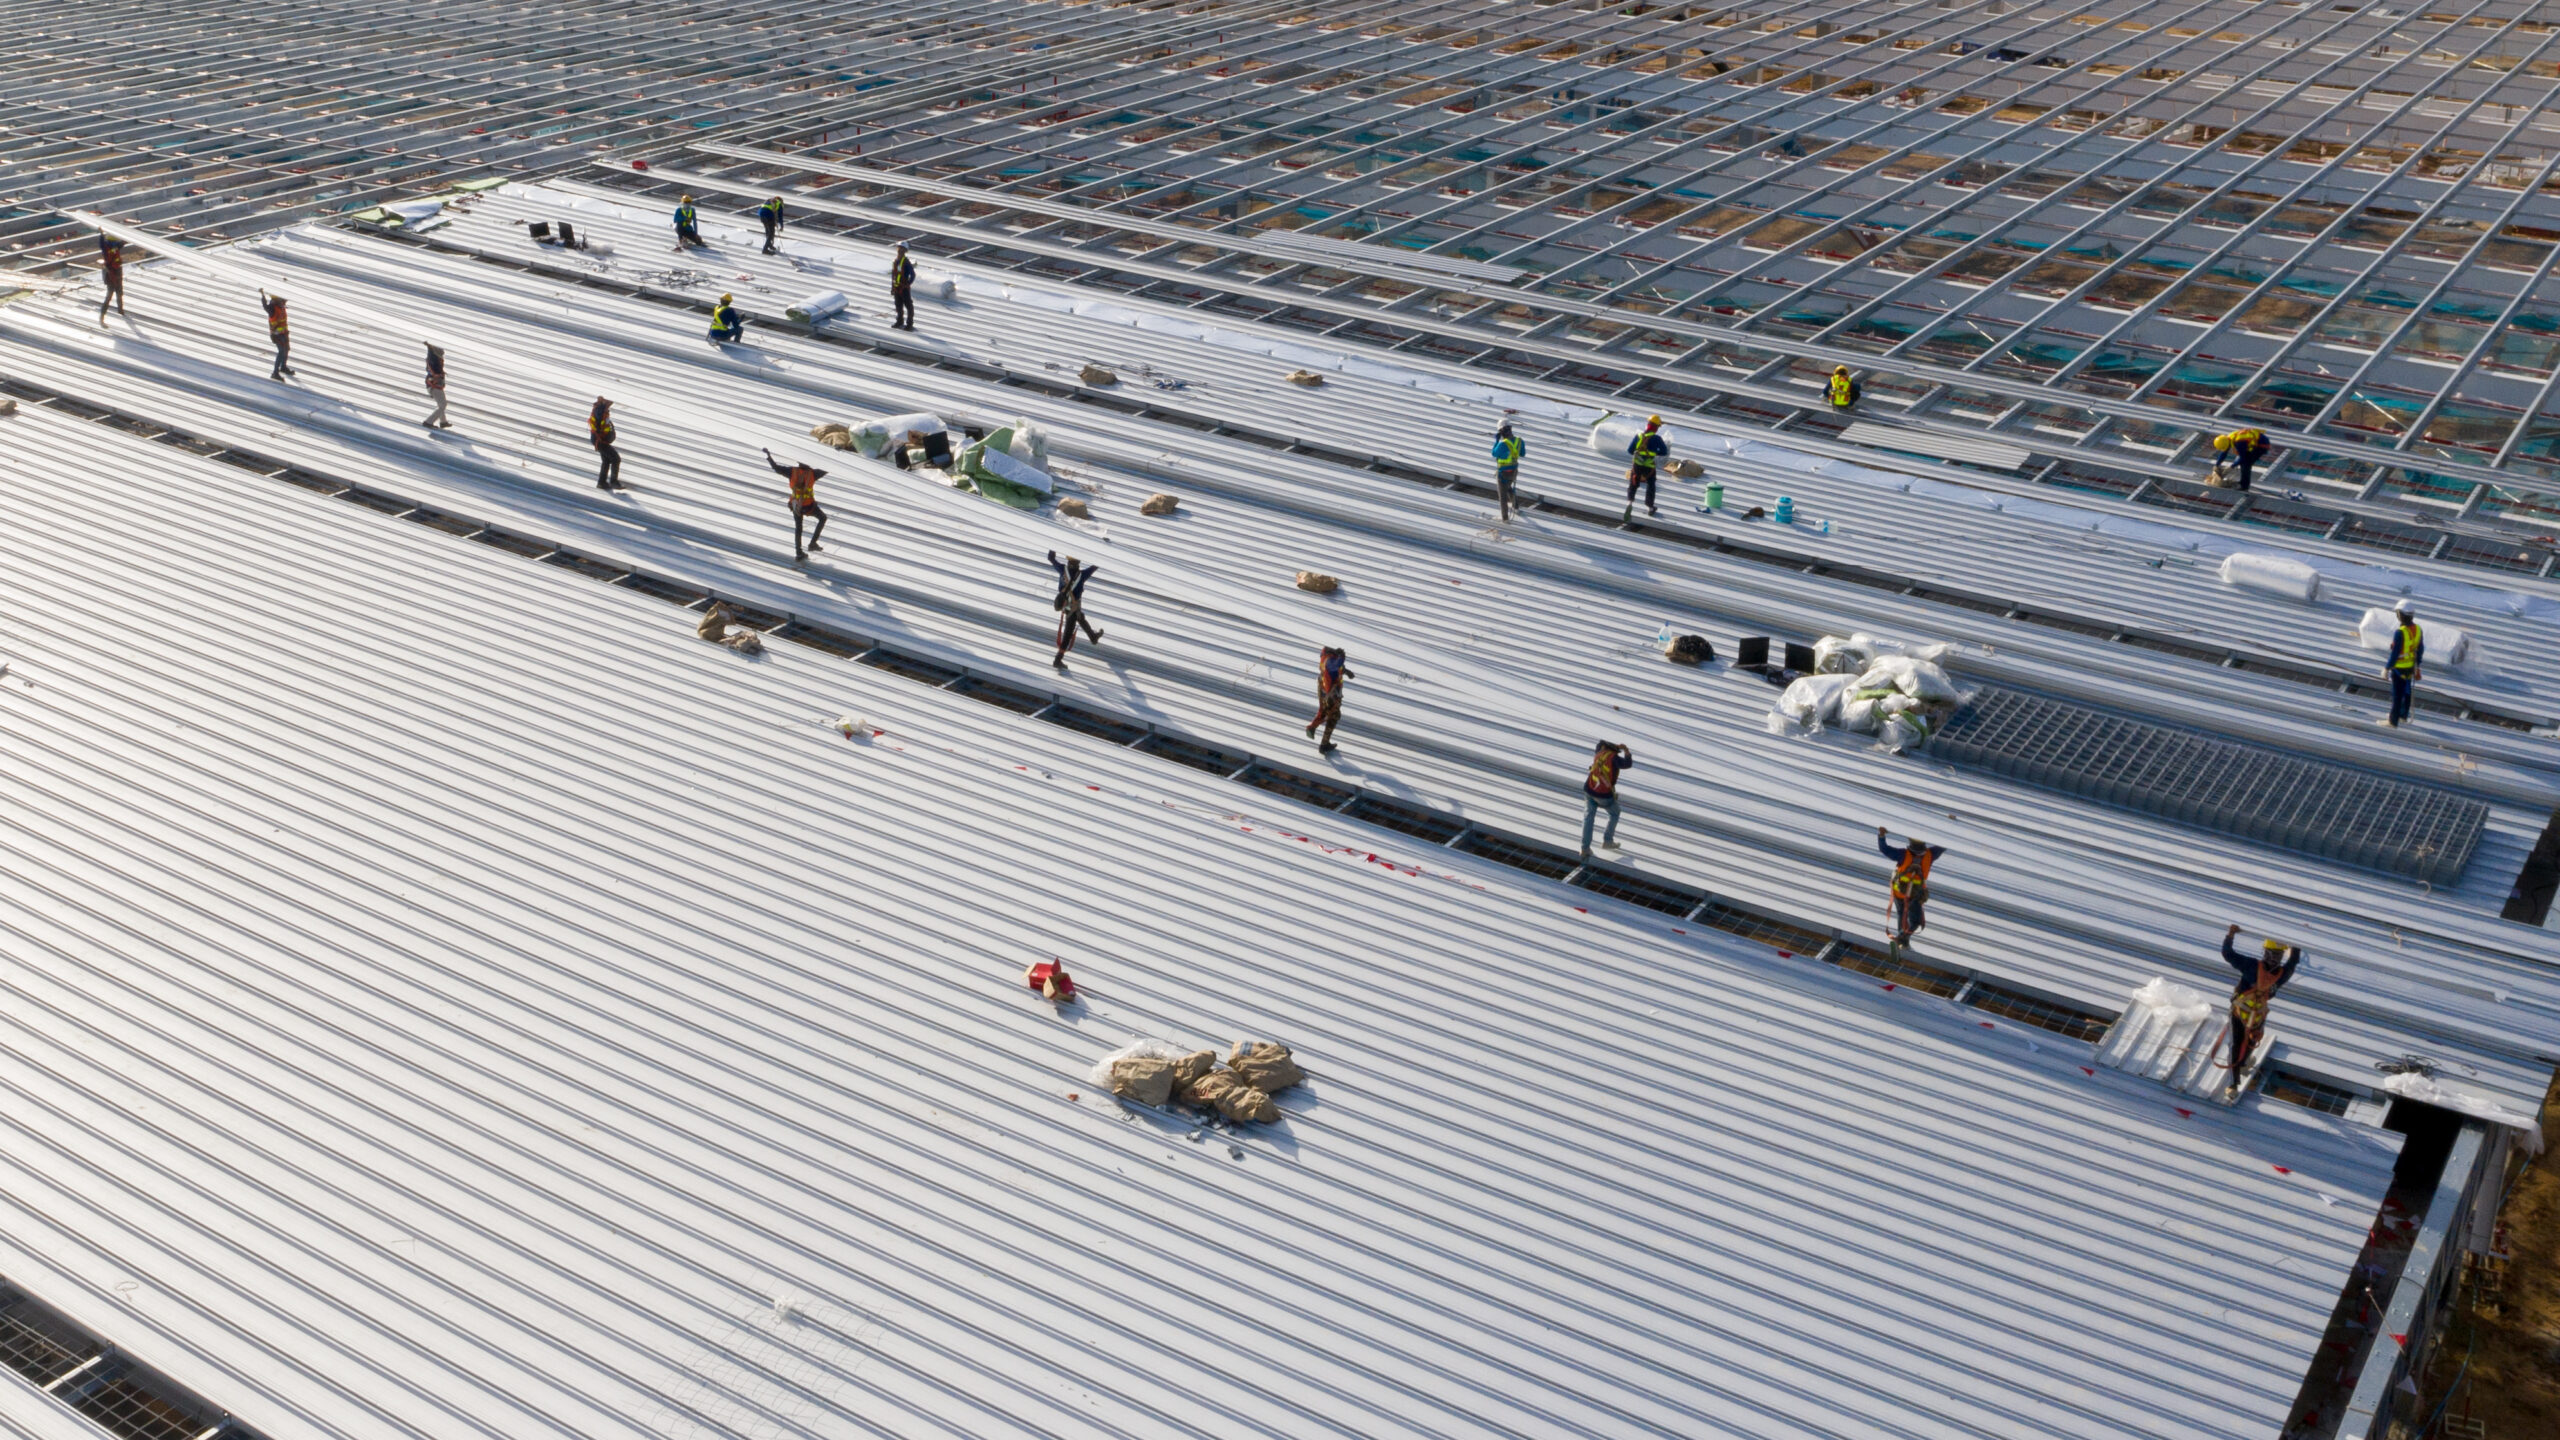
<point>769,215</point>
<point>1332,668</point>
<point>1072,575</point>
<point>278,333</point>
<point>1609,760</point>
<point>435,389</point>
<point>1908,898</point>
<point>902,289</point>
<point>1647,452</point>
<point>686,234</point>
<point>1507,452</point>
<point>600,434</point>
<point>1844,390</point>
<point>804,502</point>
<point>2260,979</point>
<point>2408,647</point>
<point>726,322</point>
<point>2241,449</point>
<point>111,267</point>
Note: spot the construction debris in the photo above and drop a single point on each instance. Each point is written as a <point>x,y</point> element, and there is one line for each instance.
<point>1265,1065</point>
<point>1690,650</point>
<point>1159,504</point>
<point>1159,1073</point>
<point>1075,509</point>
<point>1050,978</point>
<point>1320,584</point>
<point>1093,374</point>
<point>1227,1093</point>
<point>833,433</point>
<point>720,626</point>
<point>1308,378</point>
<point>1681,467</point>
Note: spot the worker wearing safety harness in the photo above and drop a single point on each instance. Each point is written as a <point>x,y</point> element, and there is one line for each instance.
<point>1072,575</point>
<point>1647,452</point>
<point>600,434</point>
<point>769,215</point>
<point>2260,979</point>
<point>1844,390</point>
<point>1332,668</point>
<point>1507,450</point>
<point>1908,898</point>
<point>278,333</point>
<point>902,289</point>
<point>726,322</point>
<point>2408,647</point>
<point>804,502</point>
<point>686,234</point>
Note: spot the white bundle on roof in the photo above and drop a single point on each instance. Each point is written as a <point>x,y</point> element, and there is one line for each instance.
<point>1809,703</point>
<point>817,307</point>
<point>874,437</point>
<point>2277,575</point>
<point>2445,644</point>
<point>934,285</point>
<point>1017,472</point>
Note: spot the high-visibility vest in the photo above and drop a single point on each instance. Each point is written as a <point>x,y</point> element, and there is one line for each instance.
<point>770,212</point>
<point>684,217</point>
<point>1840,389</point>
<point>902,272</point>
<point>599,428</point>
<point>2249,1010</point>
<point>723,317</point>
<point>1911,876</point>
<point>1648,449</point>
<point>804,485</point>
<point>2410,638</point>
<point>275,316</point>
<point>1506,451</point>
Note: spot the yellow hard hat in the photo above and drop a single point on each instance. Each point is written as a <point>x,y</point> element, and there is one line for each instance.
<point>724,299</point>
<point>1839,369</point>
<point>1653,420</point>
<point>2221,442</point>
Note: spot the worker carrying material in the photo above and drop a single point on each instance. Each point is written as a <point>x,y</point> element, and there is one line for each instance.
<point>686,234</point>
<point>600,434</point>
<point>769,215</point>
<point>1907,899</point>
<point>1332,668</point>
<point>1646,452</point>
<point>2408,647</point>
<point>726,322</point>
<point>902,289</point>
<point>804,502</point>
<point>1508,449</point>
<point>1609,760</point>
<point>1072,576</point>
<point>435,389</point>
<point>111,268</point>
<point>2241,450</point>
<point>1844,389</point>
<point>2260,979</point>
<point>279,333</point>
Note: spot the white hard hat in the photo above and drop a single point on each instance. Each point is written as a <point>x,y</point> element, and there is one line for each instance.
<point>2403,608</point>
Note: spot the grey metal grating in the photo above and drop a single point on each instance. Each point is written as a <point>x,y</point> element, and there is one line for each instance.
<point>1638,890</point>
<point>2038,1011</point>
<point>117,1394</point>
<point>1429,825</point>
<point>2371,821</point>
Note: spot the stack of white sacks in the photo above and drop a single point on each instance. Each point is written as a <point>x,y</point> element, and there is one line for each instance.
<point>1873,687</point>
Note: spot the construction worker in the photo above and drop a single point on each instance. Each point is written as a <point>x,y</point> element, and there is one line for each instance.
<point>435,389</point>
<point>1332,668</point>
<point>902,289</point>
<point>278,333</point>
<point>2260,979</point>
<point>769,215</point>
<point>600,435</point>
<point>1507,450</point>
<point>2242,449</point>
<point>1609,760</point>
<point>804,502</point>
<point>111,266</point>
<point>1844,390</point>
<point>2408,647</point>
<point>1908,897</point>
<point>1647,451</point>
<point>686,234</point>
<point>1072,575</point>
<point>726,322</point>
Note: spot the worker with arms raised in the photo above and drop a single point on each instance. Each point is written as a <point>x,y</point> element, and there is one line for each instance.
<point>2260,978</point>
<point>1907,899</point>
<point>804,480</point>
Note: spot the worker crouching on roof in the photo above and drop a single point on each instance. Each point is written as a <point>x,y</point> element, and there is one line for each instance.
<point>1908,899</point>
<point>1843,390</point>
<point>2240,450</point>
<point>769,215</point>
<point>2260,979</point>
<point>804,480</point>
<point>726,322</point>
<point>686,234</point>
<point>1332,668</point>
<point>2408,647</point>
<point>1645,454</point>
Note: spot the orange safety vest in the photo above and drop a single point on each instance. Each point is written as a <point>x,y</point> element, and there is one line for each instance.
<point>1911,876</point>
<point>2249,1010</point>
<point>804,485</point>
<point>275,316</point>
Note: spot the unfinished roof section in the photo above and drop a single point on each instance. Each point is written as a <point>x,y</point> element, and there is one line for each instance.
<point>2335,222</point>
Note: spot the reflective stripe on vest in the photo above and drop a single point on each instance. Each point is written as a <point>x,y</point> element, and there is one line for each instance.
<point>1506,451</point>
<point>2410,638</point>
<point>804,485</point>
<point>275,318</point>
<point>2249,1009</point>
<point>1839,389</point>
<point>1912,874</point>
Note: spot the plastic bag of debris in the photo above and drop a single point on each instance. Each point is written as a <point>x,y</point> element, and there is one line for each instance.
<point>1843,654</point>
<point>1905,730</point>
<point>1920,679</point>
<point>874,437</point>
<point>1809,704</point>
<point>2277,575</point>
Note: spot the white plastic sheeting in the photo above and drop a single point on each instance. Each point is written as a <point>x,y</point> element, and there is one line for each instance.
<point>1810,703</point>
<point>2278,575</point>
<point>2427,1090</point>
<point>2177,1036</point>
<point>2445,644</point>
<point>816,307</point>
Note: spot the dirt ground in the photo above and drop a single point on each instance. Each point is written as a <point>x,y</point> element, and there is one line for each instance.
<point>2513,1386</point>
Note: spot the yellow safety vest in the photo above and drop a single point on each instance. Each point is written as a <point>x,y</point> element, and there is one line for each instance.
<point>2410,638</point>
<point>1839,389</point>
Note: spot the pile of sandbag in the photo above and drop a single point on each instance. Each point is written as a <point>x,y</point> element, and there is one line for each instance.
<point>1318,582</point>
<point>1009,465</point>
<point>2445,644</point>
<point>834,433</point>
<point>1308,378</point>
<point>1074,508</point>
<point>1159,1073</point>
<point>1873,687</point>
<point>1159,504</point>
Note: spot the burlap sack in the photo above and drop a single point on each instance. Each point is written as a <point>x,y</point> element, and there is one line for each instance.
<point>1093,374</point>
<point>1149,1082</point>
<point>1159,505</point>
<point>1320,584</point>
<point>1265,1065</point>
<point>1231,1097</point>
<point>1075,509</point>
